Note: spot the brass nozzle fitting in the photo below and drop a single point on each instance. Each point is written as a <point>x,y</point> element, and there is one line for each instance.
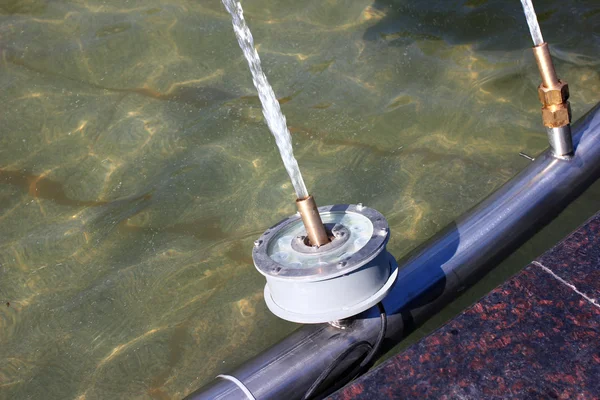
<point>315,229</point>
<point>556,115</point>
<point>553,93</point>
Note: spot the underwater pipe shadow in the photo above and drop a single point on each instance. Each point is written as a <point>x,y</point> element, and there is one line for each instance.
<point>408,21</point>
<point>493,25</point>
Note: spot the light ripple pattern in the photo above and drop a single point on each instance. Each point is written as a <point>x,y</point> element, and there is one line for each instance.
<point>136,172</point>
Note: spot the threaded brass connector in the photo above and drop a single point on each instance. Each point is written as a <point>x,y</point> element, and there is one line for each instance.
<point>556,115</point>
<point>552,92</point>
<point>555,95</point>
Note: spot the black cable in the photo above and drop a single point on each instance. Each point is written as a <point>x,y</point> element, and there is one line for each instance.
<point>372,351</point>
<point>379,341</point>
<point>319,381</point>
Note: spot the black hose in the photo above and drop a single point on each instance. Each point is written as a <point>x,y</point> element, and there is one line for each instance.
<point>361,368</point>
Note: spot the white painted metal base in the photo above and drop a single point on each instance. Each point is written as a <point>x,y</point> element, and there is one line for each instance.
<point>322,317</point>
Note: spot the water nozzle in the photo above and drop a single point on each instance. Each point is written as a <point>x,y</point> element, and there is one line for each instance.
<point>545,65</point>
<point>339,279</point>
<point>315,229</point>
<point>556,110</point>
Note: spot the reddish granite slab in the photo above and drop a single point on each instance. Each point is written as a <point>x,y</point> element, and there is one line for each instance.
<point>535,337</point>
<point>577,258</point>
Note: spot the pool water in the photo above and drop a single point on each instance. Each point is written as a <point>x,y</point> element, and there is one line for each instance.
<point>136,169</point>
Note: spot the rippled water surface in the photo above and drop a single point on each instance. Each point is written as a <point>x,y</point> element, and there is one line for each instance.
<point>136,169</point>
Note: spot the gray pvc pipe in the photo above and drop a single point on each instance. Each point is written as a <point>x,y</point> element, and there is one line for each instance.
<point>432,275</point>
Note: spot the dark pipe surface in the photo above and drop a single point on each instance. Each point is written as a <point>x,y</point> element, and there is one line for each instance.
<point>432,275</point>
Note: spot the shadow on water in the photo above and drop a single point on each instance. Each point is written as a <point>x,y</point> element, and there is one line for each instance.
<point>209,228</point>
<point>12,7</point>
<point>199,96</point>
<point>196,96</point>
<point>426,155</point>
<point>39,186</point>
<point>471,21</point>
<point>454,21</point>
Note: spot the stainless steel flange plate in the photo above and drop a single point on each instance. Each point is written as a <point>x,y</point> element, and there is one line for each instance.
<point>275,257</point>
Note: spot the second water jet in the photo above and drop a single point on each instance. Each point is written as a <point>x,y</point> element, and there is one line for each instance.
<point>553,93</point>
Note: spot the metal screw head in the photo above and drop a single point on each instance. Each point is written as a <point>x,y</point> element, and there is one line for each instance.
<point>360,206</point>
<point>276,270</point>
<point>257,243</point>
<point>337,231</point>
<point>341,264</point>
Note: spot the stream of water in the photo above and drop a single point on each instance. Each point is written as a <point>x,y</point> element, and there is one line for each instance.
<point>271,109</point>
<point>532,22</point>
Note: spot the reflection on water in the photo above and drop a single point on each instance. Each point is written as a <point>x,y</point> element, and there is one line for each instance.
<point>136,169</point>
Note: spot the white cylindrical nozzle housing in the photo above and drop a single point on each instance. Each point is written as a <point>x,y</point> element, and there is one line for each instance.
<point>337,280</point>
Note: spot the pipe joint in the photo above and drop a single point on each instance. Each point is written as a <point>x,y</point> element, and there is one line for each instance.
<point>553,96</point>
<point>561,142</point>
<point>556,115</point>
<point>556,109</point>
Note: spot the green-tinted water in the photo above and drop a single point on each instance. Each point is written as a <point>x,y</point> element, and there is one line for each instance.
<point>136,169</point>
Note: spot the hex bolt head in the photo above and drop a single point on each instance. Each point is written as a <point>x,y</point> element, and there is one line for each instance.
<point>554,96</point>
<point>555,116</point>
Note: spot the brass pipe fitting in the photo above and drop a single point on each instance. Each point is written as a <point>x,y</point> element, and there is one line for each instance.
<point>553,93</point>
<point>556,115</point>
<point>556,110</point>
<point>315,229</point>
